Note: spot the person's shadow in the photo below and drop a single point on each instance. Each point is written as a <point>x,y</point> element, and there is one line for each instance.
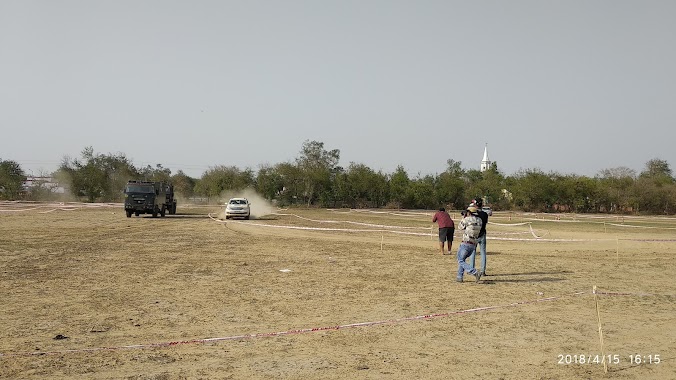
<point>532,273</point>
<point>494,278</point>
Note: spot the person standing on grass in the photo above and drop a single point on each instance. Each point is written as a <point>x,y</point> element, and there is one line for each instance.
<point>470,226</point>
<point>481,241</point>
<point>446,229</point>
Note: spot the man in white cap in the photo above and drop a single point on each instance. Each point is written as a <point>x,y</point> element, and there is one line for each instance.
<point>471,227</point>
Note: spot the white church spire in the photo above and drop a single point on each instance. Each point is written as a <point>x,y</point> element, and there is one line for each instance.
<point>485,163</point>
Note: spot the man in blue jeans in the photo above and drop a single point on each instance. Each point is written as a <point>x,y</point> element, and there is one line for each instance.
<point>481,241</point>
<point>470,226</point>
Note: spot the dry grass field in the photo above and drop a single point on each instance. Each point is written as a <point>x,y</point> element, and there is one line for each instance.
<point>329,294</point>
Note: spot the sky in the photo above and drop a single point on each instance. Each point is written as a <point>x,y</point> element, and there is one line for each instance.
<point>572,87</point>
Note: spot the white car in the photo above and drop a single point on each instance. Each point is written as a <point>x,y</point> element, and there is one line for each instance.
<point>238,208</point>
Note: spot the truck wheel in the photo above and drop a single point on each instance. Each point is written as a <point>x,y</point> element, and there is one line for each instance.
<point>247,217</point>
<point>155,213</point>
<point>137,213</point>
<point>163,211</point>
<point>173,209</point>
<point>128,213</point>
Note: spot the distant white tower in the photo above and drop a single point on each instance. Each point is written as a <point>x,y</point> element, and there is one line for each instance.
<point>485,163</point>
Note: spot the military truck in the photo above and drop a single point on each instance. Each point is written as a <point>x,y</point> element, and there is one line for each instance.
<point>145,197</point>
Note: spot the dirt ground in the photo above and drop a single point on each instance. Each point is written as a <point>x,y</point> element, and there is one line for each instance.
<point>330,294</point>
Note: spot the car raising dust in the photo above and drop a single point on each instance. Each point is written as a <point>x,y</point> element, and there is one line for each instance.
<point>238,208</point>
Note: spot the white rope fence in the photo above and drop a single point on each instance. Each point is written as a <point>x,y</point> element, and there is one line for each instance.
<point>350,222</point>
<point>392,231</point>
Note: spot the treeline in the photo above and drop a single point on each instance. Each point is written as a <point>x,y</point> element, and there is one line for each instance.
<point>314,178</point>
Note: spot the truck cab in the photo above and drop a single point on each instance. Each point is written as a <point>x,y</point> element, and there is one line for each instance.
<point>143,197</point>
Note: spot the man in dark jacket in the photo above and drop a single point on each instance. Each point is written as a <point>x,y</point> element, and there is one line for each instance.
<point>481,241</point>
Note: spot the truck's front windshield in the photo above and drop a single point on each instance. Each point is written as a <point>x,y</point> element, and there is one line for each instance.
<point>139,189</point>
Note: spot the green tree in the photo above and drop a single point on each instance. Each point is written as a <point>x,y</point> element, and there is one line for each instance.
<point>118,170</point>
<point>492,186</point>
<point>359,178</point>
<point>653,189</point>
<point>327,194</point>
<point>342,192</point>
<point>657,168</point>
<point>486,185</point>
<point>532,190</point>
<point>11,179</point>
<point>316,165</point>
<point>220,178</point>
<point>472,185</point>
<point>658,171</point>
<point>399,188</point>
<point>450,185</point>
<point>156,174</point>
<point>269,182</point>
<point>616,189</point>
<point>97,176</point>
<point>575,193</point>
<point>379,192</point>
<point>183,184</point>
<point>422,194</point>
<point>364,187</point>
<point>292,183</point>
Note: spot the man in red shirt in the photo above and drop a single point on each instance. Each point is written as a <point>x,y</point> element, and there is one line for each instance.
<point>446,229</point>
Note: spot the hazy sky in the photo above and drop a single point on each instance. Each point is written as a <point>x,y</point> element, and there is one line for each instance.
<point>567,86</point>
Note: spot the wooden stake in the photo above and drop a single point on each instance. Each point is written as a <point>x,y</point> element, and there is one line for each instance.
<point>432,233</point>
<point>598,318</point>
<point>617,250</point>
<point>382,239</point>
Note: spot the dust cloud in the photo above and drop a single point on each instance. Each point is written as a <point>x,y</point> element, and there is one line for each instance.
<point>259,205</point>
